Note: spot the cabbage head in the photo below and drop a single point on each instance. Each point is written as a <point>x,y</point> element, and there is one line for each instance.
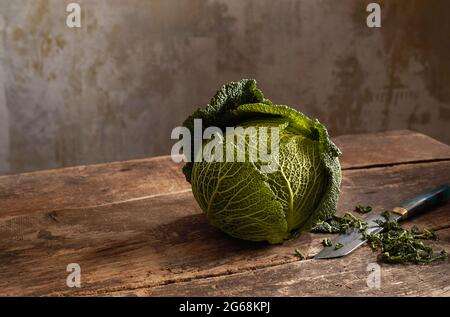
<point>245,203</point>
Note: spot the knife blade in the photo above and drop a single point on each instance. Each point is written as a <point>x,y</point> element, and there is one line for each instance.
<point>353,238</point>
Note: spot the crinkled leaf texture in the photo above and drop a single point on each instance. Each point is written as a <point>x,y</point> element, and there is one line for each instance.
<point>246,203</point>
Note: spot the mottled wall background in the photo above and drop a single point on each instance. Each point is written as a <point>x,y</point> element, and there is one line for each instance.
<point>115,88</point>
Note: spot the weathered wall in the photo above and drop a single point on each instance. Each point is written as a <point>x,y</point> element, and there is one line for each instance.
<point>114,89</point>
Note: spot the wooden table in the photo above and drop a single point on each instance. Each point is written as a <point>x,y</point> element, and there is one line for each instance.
<point>135,229</point>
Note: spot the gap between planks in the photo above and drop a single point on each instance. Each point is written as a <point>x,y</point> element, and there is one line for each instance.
<point>370,166</point>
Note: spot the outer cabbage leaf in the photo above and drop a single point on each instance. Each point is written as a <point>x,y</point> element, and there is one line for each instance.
<point>238,200</point>
<point>218,112</point>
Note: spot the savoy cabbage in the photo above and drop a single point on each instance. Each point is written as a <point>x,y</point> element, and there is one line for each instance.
<point>248,204</point>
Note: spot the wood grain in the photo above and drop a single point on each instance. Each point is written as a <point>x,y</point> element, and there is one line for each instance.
<point>165,239</point>
<point>335,277</point>
<point>93,185</point>
<point>135,229</point>
<point>96,185</point>
<point>387,148</point>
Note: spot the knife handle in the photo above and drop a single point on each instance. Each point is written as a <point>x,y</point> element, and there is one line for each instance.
<point>423,202</point>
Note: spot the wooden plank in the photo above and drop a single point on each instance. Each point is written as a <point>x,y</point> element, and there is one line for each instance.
<point>391,147</point>
<point>93,185</point>
<point>336,277</point>
<point>96,185</point>
<point>165,239</point>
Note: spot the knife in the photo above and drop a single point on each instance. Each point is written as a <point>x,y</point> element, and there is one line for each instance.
<point>352,238</point>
